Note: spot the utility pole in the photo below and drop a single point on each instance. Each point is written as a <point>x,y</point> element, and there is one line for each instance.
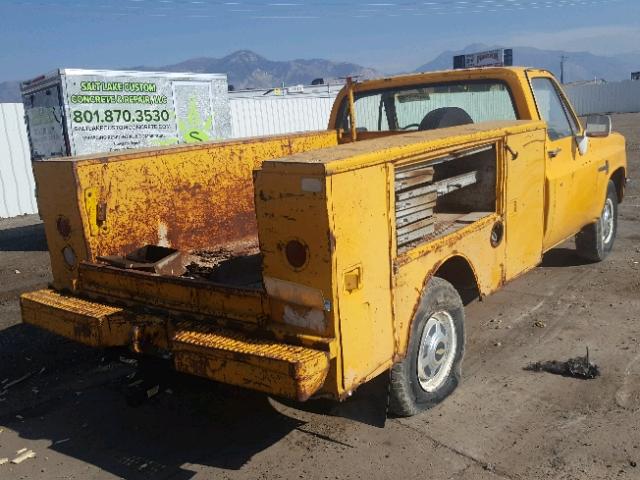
<point>563,58</point>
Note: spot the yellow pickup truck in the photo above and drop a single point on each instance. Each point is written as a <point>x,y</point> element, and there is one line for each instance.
<point>306,265</point>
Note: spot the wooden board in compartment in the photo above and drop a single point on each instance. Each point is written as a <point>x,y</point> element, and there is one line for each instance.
<point>415,200</point>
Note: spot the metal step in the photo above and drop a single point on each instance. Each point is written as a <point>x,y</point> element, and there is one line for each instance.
<point>237,359</point>
<point>87,322</point>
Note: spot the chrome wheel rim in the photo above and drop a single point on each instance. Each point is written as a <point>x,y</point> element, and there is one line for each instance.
<point>607,221</point>
<point>438,344</point>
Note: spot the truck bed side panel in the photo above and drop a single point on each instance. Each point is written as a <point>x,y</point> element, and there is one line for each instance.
<point>519,207</point>
<point>189,198</point>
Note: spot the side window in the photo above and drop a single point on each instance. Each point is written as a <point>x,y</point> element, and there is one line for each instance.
<point>371,115</point>
<point>551,108</point>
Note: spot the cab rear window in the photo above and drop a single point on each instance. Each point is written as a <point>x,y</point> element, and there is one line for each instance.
<point>428,107</point>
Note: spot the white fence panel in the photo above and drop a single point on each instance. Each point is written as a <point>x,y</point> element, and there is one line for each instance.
<point>615,97</point>
<point>251,117</point>
<point>17,187</point>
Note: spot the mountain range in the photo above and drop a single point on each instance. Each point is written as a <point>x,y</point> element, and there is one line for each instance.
<point>247,69</point>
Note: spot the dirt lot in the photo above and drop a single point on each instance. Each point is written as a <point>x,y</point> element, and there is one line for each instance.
<point>503,422</point>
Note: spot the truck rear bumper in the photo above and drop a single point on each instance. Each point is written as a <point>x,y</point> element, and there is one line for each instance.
<point>197,348</point>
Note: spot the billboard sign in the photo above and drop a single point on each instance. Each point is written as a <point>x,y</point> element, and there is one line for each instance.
<point>77,112</point>
<point>491,58</point>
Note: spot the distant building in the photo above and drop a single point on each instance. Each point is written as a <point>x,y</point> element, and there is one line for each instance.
<point>595,81</point>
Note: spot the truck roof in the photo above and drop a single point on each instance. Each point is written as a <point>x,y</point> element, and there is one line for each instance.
<point>441,76</point>
<point>448,73</point>
<point>350,156</point>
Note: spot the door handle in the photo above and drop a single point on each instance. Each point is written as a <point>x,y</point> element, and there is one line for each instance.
<point>604,168</point>
<point>554,153</point>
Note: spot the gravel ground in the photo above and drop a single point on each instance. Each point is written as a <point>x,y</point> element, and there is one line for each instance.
<point>501,423</point>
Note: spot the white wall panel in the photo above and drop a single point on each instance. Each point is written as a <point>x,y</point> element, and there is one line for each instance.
<point>17,190</point>
<point>615,97</point>
<point>251,116</point>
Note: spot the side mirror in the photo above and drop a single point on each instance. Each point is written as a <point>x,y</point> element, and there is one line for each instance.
<point>598,126</point>
<point>583,144</point>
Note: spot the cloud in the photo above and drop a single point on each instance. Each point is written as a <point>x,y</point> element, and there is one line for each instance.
<point>603,40</point>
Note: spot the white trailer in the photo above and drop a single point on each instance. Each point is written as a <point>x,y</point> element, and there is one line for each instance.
<point>77,112</point>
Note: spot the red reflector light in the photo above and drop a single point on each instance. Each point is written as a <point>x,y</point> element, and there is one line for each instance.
<point>296,253</point>
<point>63,226</point>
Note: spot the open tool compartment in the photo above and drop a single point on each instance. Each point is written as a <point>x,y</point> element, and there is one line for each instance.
<point>438,196</point>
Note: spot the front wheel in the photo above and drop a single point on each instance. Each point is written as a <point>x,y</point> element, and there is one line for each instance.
<point>595,241</point>
<point>430,372</point>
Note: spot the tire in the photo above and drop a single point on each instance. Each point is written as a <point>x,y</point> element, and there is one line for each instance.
<point>595,241</point>
<point>412,388</point>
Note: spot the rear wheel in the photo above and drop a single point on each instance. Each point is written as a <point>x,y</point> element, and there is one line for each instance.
<point>595,241</point>
<point>431,369</point>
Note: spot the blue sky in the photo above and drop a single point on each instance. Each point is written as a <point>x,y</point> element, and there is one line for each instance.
<point>390,35</point>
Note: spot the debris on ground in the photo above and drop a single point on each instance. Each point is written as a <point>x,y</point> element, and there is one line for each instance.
<point>578,367</point>
<point>153,391</point>
<point>4,460</point>
<point>128,361</point>
<point>23,456</point>
<point>539,324</point>
<point>18,380</point>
